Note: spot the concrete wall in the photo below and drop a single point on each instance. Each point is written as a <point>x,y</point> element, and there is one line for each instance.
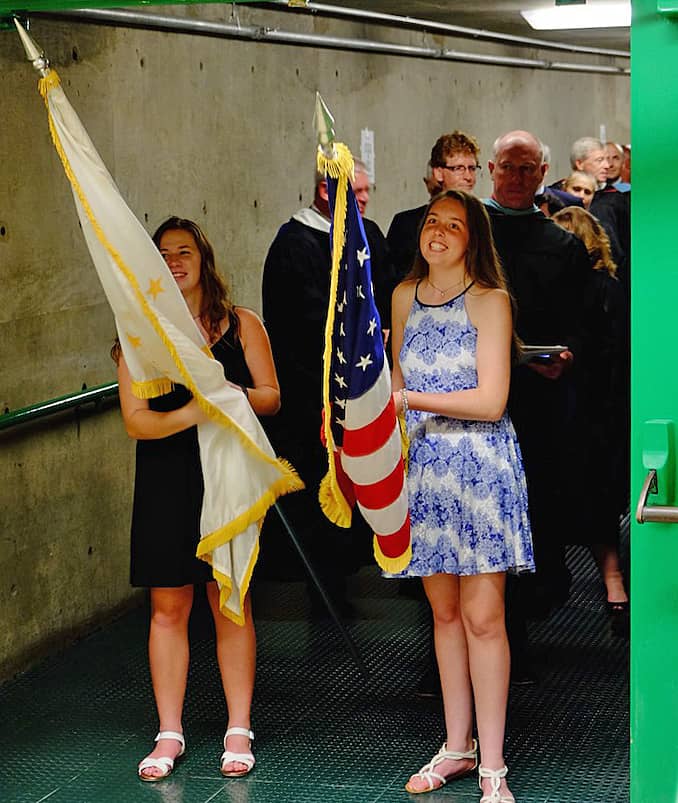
<point>219,131</point>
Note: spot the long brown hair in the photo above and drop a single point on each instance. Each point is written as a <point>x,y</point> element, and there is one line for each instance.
<point>482,263</point>
<point>216,302</point>
<point>590,231</point>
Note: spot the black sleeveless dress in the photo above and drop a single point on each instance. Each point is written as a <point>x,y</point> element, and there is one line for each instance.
<point>168,489</point>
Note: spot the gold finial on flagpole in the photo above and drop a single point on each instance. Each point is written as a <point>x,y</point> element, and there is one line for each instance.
<point>323,123</point>
<point>35,55</point>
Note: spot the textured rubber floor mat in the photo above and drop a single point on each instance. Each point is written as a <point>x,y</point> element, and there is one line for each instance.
<point>76,725</point>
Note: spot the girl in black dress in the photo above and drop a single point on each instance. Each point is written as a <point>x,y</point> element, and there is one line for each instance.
<point>168,500</point>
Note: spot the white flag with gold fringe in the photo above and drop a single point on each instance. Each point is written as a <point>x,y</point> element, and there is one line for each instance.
<point>163,346</point>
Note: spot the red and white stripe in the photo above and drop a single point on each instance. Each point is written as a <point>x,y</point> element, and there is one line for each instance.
<point>370,463</point>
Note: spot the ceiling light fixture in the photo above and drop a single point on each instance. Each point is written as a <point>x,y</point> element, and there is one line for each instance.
<point>569,17</point>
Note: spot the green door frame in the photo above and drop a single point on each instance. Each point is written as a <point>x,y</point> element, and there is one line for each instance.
<point>654,400</point>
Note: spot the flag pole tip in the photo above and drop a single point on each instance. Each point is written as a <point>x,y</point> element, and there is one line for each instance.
<point>33,53</point>
<point>323,122</point>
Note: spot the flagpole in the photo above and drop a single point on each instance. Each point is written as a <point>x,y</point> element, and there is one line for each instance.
<point>321,590</point>
<point>34,54</point>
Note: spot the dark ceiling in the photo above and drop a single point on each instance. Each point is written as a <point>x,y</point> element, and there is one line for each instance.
<point>493,15</point>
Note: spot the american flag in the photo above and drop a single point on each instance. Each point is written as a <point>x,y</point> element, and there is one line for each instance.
<point>367,448</point>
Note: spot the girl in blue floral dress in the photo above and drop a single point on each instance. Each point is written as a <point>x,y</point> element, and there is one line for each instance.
<point>453,339</point>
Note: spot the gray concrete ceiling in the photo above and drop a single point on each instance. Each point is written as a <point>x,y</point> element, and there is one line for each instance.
<point>494,15</point>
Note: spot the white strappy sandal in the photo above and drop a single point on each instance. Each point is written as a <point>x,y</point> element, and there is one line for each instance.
<point>163,763</point>
<point>495,776</point>
<point>428,773</point>
<point>242,758</point>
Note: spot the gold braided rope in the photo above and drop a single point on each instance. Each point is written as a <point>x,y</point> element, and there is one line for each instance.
<point>331,499</point>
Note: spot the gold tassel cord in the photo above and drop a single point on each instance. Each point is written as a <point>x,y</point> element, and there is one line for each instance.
<point>332,501</point>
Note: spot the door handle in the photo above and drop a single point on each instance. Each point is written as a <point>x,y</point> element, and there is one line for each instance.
<point>660,513</point>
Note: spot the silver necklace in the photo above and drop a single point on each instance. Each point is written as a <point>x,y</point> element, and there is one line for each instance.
<point>446,290</point>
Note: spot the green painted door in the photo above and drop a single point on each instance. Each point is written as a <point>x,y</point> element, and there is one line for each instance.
<point>654,546</point>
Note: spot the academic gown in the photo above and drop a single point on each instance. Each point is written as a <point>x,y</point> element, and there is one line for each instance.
<point>613,210</point>
<point>402,240</point>
<point>547,270</point>
<point>603,413</point>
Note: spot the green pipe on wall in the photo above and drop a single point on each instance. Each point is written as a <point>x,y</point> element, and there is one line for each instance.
<point>23,8</point>
<point>58,405</point>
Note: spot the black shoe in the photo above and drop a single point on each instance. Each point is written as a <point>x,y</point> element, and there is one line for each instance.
<point>522,672</point>
<point>620,619</point>
<point>429,683</point>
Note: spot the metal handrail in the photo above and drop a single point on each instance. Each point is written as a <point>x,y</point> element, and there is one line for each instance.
<point>43,409</point>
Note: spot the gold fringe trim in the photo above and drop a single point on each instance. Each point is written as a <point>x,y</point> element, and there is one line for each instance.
<point>392,565</point>
<point>152,388</point>
<point>255,513</point>
<point>49,81</point>
<point>227,589</point>
<point>290,481</point>
<point>332,501</point>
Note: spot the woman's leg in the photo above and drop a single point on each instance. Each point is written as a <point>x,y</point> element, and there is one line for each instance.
<point>168,653</point>
<point>607,558</point>
<point>442,591</point>
<point>482,612</point>
<point>236,654</point>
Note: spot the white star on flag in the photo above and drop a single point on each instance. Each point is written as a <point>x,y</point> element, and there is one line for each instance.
<point>359,291</point>
<point>340,357</point>
<point>340,381</point>
<point>363,255</point>
<point>363,362</point>
<point>372,327</point>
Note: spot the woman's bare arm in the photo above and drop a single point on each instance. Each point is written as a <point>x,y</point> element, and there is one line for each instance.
<point>490,312</point>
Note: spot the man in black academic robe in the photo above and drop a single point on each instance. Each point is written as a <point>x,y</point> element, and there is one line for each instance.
<point>547,270</point>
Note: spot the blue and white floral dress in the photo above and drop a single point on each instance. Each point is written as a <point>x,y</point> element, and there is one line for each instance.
<point>466,484</point>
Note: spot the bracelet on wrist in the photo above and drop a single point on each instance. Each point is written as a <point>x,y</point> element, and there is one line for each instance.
<point>403,396</point>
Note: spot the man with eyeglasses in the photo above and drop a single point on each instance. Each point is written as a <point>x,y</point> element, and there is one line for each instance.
<point>453,166</point>
<point>547,270</point>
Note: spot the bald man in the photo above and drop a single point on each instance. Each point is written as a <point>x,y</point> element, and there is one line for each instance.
<point>547,270</point>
